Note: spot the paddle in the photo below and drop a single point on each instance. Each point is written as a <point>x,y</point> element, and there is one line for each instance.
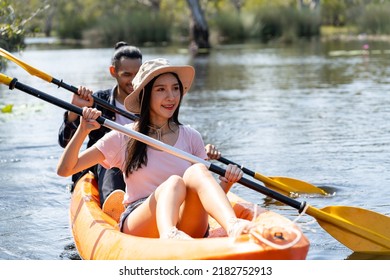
<point>35,72</point>
<point>287,186</point>
<point>359,229</point>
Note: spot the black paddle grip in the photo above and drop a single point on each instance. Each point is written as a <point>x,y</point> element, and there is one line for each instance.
<point>97,100</point>
<point>262,189</point>
<point>245,170</point>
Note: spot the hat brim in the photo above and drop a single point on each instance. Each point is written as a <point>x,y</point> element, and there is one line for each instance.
<point>186,74</point>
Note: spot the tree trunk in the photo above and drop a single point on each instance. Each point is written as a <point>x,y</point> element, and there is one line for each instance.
<point>199,30</point>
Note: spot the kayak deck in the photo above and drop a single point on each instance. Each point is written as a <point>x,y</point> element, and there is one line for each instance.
<point>97,235</point>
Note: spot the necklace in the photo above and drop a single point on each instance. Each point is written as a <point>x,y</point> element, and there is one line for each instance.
<point>157,130</point>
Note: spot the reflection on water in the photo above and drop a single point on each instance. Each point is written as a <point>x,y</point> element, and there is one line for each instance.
<point>304,111</point>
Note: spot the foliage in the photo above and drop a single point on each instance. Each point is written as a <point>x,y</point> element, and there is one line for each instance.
<point>136,27</point>
<point>286,23</point>
<point>103,22</point>
<point>15,16</point>
<point>375,19</point>
<point>308,23</point>
<point>229,27</point>
<point>333,12</point>
<point>69,24</point>
<point>11,27</point>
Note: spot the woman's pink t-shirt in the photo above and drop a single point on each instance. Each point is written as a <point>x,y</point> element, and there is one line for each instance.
<point>160,166</point>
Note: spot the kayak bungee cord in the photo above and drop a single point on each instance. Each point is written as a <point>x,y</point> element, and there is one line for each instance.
<point>262,233</point>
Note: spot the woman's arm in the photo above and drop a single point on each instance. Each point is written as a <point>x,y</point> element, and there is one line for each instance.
<point>72,161</point>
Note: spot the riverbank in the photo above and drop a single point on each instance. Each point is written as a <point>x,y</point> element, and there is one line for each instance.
<point>53,42</point>
<point>349,34</point>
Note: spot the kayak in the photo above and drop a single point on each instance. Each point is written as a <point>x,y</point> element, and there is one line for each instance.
<point>97,236</point>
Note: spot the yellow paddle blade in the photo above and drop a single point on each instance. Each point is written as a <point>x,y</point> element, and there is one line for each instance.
<point>289,186</point>
<point>359,229</point>
<point>4,79</point>
<point>33,71</point>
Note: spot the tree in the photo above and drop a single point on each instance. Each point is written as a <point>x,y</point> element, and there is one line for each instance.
<point>14,20</point>
<point>199,30</point>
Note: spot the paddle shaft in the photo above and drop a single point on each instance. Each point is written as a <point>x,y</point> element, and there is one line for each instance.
<point>13,83</point>
<point>97,100</point>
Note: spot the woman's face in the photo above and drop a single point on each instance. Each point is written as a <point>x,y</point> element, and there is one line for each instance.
<point>165,98</point>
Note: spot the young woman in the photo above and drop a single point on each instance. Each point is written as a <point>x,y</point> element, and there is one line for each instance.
<point>125,62</point>
<point>166,196</point>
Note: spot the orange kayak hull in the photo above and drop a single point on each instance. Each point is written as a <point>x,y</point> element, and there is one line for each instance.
<point>97,236</point>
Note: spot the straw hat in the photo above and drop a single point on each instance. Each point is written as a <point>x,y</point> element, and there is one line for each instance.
<point>148,71</point>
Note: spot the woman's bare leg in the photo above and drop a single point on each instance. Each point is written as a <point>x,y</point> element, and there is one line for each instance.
<point>170,196</point>
<point>160,212</point>
<point>213,198</point>
<point>185,203</point>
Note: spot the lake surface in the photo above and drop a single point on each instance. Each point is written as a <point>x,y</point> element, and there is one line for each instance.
<point>318,112</point>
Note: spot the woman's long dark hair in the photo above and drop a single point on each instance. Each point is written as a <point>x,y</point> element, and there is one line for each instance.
<point>136,151</point>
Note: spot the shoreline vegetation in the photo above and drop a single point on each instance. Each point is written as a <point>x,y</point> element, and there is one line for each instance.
<point>173,23</point>
<point>331,33</point>
<point>41,40</point>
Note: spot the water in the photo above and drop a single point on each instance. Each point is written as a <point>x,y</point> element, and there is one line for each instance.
<point>314,111</point>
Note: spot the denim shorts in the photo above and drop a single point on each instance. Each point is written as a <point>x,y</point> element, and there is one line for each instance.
<point>130,208</point>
